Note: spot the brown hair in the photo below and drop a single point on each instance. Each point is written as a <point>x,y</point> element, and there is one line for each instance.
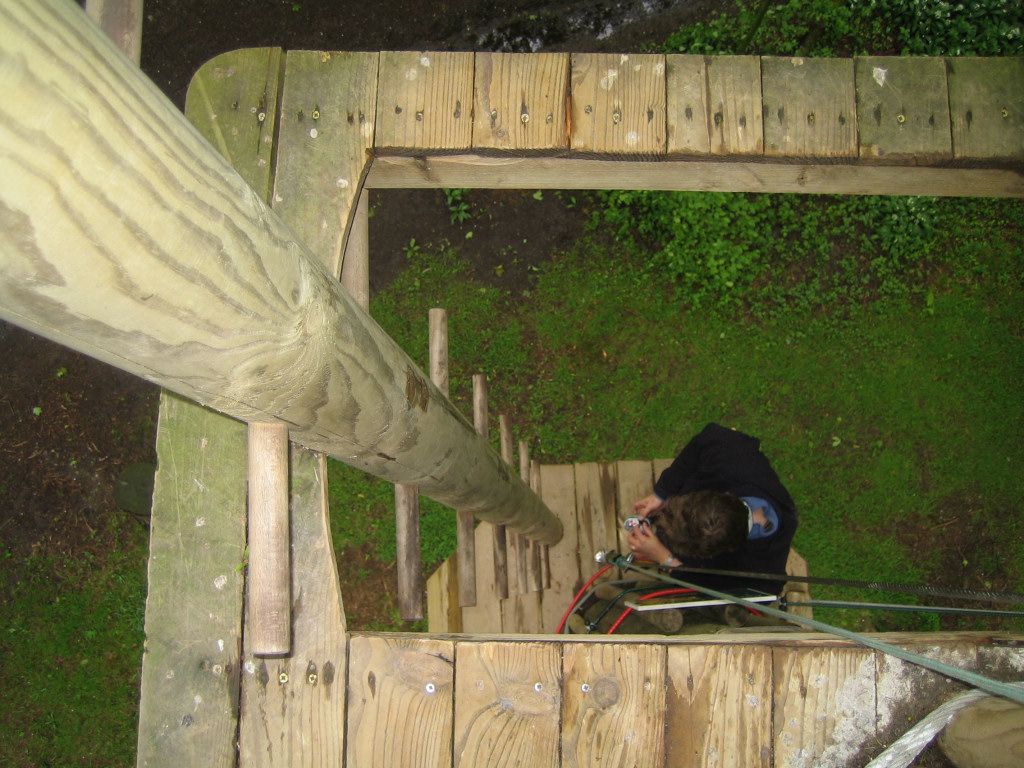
<point>701,524</point>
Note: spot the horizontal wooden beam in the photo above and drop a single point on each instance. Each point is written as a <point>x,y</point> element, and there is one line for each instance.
<point>124,235</point>
<point>688,175</point>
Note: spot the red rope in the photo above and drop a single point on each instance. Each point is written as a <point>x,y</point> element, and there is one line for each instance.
<point>584,588</point>
<point>649,596</point>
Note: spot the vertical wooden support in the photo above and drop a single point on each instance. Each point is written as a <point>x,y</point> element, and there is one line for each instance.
<point>532,554</point>
<point>558,484</point>
<point>500,539</point>
<point>121,20</point>
<point>401,701</point>
<point>518,558</point>
<point>269,587</point>
<point>540,564</point>
<point>407,551</point>
<point>595,512</point>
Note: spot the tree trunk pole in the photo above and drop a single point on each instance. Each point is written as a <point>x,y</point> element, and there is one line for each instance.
<point>125,236</point>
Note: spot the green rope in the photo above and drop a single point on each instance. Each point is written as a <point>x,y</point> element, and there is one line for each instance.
<point>971,678</point>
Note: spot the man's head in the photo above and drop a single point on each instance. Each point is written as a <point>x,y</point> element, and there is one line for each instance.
<point>701,524</point>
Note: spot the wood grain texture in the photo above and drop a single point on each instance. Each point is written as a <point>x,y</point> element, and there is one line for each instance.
<point>687,110</point>
<point>326,128</point>
<point>539,568</point>
<point>699,175</point>
<point>407,551</point>
<point>516,544</point>
<point>425,101</point>
<point>484,617</point>
<point>903,109</point>
<point>443,612</point>
<point>734,105</point>
<point>292,708</point>
<point>188,709</point>
<point>824,706</point>
<point>269,573</point>
<point>521,613</point>
<point>355,267</point>
<point>520,101</point>
<point>613,710</point>
<point>232,101</point>
<point>559,492</point>
<point>507,705</point>
<point>810,107</point>
<point>499,541</point>
<point>401,698</point>
<point>633,481</point>
<point>719,707</point>
<point>121,21</point>
<point>191,281</point>
<point>595,512</point>
<point>986,107</point>
<point>618,103</point>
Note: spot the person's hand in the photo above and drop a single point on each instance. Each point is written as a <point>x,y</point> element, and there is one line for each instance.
<point>646,505</point>
<point>646,546</point>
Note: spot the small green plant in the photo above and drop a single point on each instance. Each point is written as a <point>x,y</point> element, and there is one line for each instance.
<point>458,208</point>
<point>538,195</point>
<point>412,249</point>
<point>37,411</point>
<point>62,372</point>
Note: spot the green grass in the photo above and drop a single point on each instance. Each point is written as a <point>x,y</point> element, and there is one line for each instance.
<point>70,652</point>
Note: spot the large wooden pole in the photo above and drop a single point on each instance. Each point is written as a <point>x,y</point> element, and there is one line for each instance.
<point>124,235</point>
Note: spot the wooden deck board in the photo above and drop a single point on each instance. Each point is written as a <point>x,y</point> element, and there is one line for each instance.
<point>734,105</point>
<point>507,705</point>
<point>719,707</point>
<point>809,107</point>
<point>559,493</point>
<point>595,513</point>
<point>986,106</point>
<point>618,103</point>
<point>520,101</point>
<point>425,101</point>
<point>613,705</point>
<point>903,109</point>
<point>686,108</point>
<point>633,482</point>
<point>327,117</point>
<point>485,616</point>
<point>401,702</point>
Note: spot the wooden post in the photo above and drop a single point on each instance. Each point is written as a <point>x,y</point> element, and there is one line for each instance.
<point>518,540</point>
<point>184,276</point>
<point>269,584</point>
<point>500,546</point>
<point>355,267</point>
<point>407,549</point>
<point>532,554</point>
<point>121,20</point>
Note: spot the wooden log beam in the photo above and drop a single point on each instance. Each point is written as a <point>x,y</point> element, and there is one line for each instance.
<point>688,175</point>
<point>269,565</point>
<point>127,237</point>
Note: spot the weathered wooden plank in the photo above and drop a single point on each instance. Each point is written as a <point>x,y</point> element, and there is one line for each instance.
<point>658,466</point>
<point>401,700</point>
<point>719,707</point>
<point>355,266</point>
<point>485,616</point>
<point>986,106</point>
<point>269,574</point>
<point>1002,662</point>
<point>507,704</point>
<point>237,313</point>
<point>443,612</point>
<point>796,565</point>
<point>824,706</point>
<point>734,105</point>
<point>595,512</point>
<point>327,114</point>
<point>906,692</point>
<point>478,171</point>
<point>633,482</point>
<point>903,109</point>
<point>559,493</point>
<point>521,613</point>
<point>618,103</point>
<point>293,707</point>
<point>687,111</point>
<point>520,101</point>
<point>188,709</point>
<point>613,710</point>
<point>425,101</point>
<point>232,101</point>
<point>121,21</point>
<point>407,551</point>
<point>810,107</point>
<point>540,568</point>
<point>499,542</point>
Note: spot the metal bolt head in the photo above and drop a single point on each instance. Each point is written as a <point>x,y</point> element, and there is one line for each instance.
<point>1004,112</point>
<point>525,117</point>
<point>494,114</point>
<point>600,557</point>
<point>616,117</point>
<point>538,687</point>
<point>419,115</point>
<point>261,116</point>
<point>282,678</point>
<point>315,114</point>
<point>901,118</point>
<point>585,687</point>
<point>311,678</point>
<point>430,688</point>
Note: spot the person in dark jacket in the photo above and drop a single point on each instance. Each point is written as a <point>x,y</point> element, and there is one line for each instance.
<point>718,505</point>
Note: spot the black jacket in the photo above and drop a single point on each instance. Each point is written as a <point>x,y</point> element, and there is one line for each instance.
<point>720,459</point>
